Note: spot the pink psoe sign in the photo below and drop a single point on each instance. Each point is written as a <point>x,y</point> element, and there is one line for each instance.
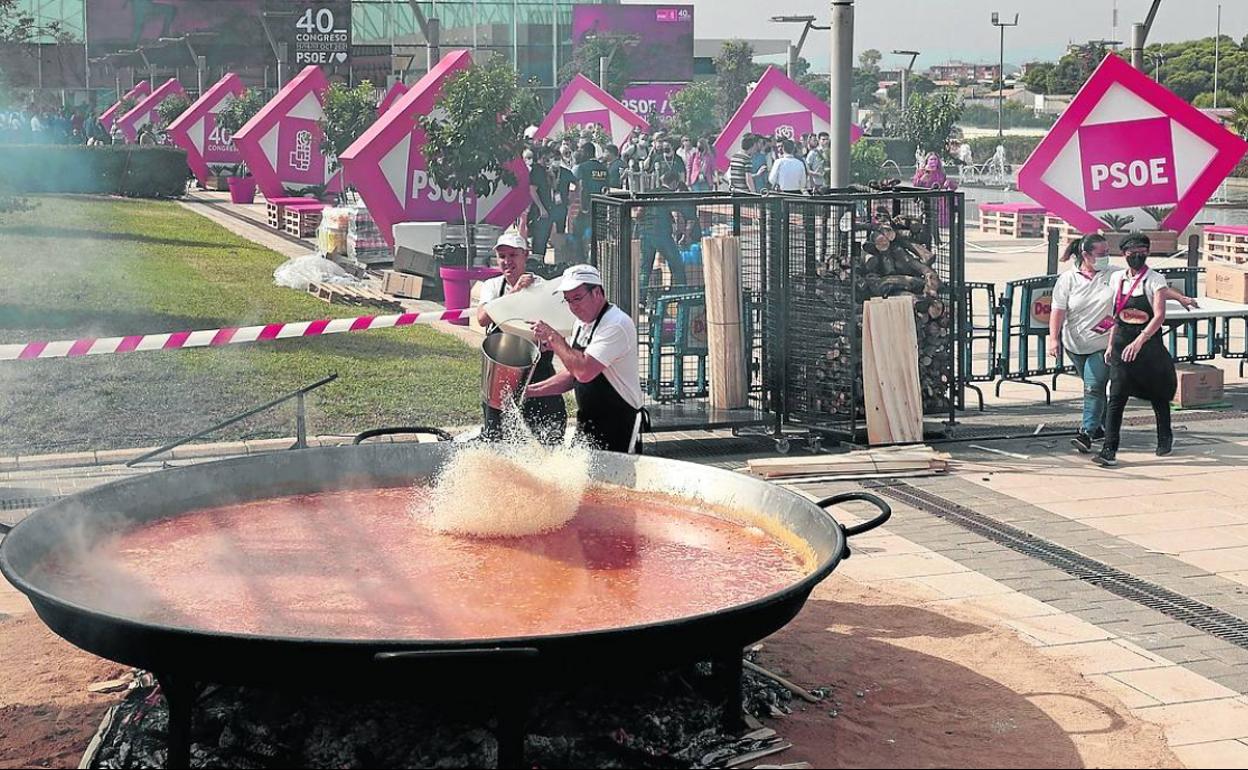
<point>145,111</point>
<point>196,129</point>
<point>387,164</point>
<point>1126,142</point>
<point>281,144</point>
<point>583,103</point>
<point>107,117</point>
<point>776,107</point>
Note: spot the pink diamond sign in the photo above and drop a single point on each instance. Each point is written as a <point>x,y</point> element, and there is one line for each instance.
<point>281,144</point>
<point>140,90</point>
<point>387,164</point>
<point>392,96</point>
<point>583,103</point>
<point>779,107</point>
<point>208,148</point>
<point>1124,143</point>
<point>145,111</point>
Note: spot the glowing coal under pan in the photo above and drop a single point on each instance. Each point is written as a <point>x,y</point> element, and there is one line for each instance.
<point>315,565</point>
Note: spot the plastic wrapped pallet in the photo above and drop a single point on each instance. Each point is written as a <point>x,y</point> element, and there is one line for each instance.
<point>331,235</point>
<point>364,241</point>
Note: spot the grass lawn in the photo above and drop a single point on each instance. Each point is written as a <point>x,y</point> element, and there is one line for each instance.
<point>78,266</point>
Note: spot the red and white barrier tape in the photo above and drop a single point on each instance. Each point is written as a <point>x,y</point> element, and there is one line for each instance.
<point>203,338</point>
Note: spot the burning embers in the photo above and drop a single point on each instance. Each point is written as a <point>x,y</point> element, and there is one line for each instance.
<point>657,721</point>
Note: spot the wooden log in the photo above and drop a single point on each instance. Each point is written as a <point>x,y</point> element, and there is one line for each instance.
<point>729,382</point>
<point>890,370</point>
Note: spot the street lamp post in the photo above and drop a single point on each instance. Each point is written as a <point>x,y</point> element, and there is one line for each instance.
<point>795,51</point>
<point>997,22</point>
<point>905,77</point>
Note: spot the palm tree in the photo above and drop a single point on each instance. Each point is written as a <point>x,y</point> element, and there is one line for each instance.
<point>1238,121</point>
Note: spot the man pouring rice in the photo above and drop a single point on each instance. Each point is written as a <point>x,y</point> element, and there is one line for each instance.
<point>600,364</point>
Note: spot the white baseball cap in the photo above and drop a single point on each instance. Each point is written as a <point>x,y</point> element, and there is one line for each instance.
<point>580,275</point>
<point>512,239</point>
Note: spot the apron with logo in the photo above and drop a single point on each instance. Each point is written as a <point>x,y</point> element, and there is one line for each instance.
<point>1151,375</point>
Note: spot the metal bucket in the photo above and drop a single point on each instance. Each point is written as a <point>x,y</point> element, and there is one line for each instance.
<point>507,363</point>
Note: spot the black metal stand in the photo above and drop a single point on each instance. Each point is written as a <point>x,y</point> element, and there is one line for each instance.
<point>513,718</point>
<point>728,669</point>
<point>180,699</point>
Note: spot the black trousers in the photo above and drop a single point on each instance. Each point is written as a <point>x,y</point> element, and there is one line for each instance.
<point>1113,419</point>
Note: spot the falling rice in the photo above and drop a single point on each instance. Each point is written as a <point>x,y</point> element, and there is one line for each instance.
<point>513,488</point>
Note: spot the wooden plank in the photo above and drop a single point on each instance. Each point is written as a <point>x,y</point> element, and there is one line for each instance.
<point>721,265</point>
<point>890,372</point>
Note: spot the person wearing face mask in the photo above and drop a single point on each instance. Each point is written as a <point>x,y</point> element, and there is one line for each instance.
<point>1079,326</point>
<point>546,417</point>
<point>1140,365</point>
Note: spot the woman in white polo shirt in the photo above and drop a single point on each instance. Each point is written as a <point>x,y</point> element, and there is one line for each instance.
<point>600,363</point>
<point>1079,325</point>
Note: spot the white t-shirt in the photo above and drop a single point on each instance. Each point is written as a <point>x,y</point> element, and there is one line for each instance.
<point>614,345</point>
<point>1153,282</point>
<point>493,288</point>
<point>1087,302</point>
<point>788,173</point>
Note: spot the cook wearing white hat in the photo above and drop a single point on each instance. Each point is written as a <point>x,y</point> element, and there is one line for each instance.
<point>600,364</point>
<point>547,418</point>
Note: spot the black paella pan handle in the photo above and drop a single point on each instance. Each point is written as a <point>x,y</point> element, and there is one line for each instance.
<point>375,432</point>
<point>885,514</point>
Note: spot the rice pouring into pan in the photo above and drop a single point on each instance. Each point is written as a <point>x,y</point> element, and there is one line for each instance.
<point>513,488</point>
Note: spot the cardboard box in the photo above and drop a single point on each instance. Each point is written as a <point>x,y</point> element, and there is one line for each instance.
<point>402,284</point>
<point>1226,282</point>
<point>415,262</point>
<point>1198,385</point>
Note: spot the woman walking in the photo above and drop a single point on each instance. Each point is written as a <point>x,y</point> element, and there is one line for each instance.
<point>1079,326</point>
<point>1140,365</point>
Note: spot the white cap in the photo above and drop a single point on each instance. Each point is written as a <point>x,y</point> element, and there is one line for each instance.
<point>512,239</point>
<point>580,275</point>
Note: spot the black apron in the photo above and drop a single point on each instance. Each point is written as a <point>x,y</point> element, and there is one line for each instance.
<point>1151,375</point>
<point>603,418</point>
<point>546,417</point>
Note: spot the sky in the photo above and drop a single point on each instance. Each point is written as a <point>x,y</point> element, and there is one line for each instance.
<point>961,29</point>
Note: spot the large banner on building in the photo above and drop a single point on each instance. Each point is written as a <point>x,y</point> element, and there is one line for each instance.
<point>317,32</point>
<point>387,165</point>
<point>282,143</point>
<point>664,32</point>
<point>228,27</point>
<point>209,149</point>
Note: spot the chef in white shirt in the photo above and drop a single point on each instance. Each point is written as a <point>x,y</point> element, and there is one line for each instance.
<point>600,364</point>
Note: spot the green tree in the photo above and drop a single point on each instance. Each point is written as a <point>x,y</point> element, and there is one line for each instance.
<point>821,86</point>
<point>866,158</point>
<point>348,114</point>
<point>870,59</point>
<point>1037,77</point>
<point>475,131</point>
<point>734,71</point>
<point>616,47</point>
<point>171,108</point>
<point>235,115</point>
<point>17,25</point>
<point>929,120</point>
<point>693,110</point>
<point>1238,122</point>
<point>918,85</point>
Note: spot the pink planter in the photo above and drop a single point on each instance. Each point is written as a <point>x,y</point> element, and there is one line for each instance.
<point>242,189</point>
<point>457,285</point>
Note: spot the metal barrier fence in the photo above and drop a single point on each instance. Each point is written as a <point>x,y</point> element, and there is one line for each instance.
<point>667,297</point>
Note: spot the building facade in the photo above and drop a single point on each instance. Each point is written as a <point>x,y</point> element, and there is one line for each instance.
<point>959,71</point>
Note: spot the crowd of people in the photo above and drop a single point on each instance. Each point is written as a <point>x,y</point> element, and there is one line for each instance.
<point>64,125</point>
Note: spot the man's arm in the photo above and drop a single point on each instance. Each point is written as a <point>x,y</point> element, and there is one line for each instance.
<point>553,386</point>
<point>579,365</point>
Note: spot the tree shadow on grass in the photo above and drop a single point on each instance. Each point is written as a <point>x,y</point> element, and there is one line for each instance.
<point>88,234</point>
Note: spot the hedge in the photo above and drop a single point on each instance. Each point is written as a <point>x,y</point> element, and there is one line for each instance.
<point>1017,148</point>
<point>898,150</point>
<point>129,170</point>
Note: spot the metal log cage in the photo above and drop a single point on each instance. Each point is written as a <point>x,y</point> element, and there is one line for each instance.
<point>805,274</point>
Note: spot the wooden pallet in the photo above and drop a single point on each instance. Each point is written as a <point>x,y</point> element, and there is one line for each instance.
<point>354,295</point>
<point>1011,224</point>
<point>1225,244</point>
<point>302,220</point>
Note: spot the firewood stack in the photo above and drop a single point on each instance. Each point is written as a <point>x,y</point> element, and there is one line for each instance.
<point>902,266</point>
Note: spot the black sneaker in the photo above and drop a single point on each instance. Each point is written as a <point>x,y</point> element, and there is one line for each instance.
<point>1098,434</point>
<point>1165,446</point>
<point>1082,442</point>
<point>1105,458</point>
